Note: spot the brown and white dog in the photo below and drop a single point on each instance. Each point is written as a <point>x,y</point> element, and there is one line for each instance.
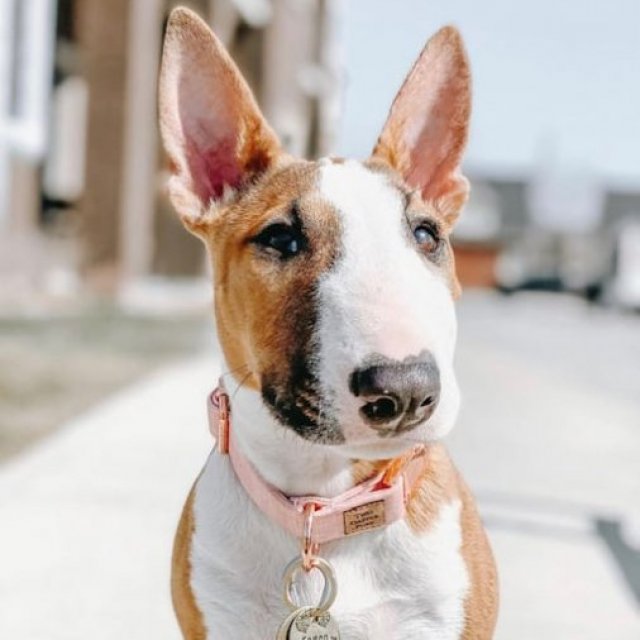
<point>334,286</point>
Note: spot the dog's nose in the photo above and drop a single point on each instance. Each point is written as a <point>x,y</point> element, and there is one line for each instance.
<point>405,392</point>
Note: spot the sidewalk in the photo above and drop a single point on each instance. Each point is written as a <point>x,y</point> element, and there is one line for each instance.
<point>551,450</point>
<point>87,519</point>
<point>549,440</point>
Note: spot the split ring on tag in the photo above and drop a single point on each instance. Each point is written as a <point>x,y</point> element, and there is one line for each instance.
<point>329,590</point>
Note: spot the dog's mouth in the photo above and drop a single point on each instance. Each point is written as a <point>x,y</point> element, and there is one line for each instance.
<point>300,407</point>
<point>407,426</point>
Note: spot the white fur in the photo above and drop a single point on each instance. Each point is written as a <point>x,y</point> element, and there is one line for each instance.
<point>394,584</point>
<point>287,461</point>
<point>382,298</point>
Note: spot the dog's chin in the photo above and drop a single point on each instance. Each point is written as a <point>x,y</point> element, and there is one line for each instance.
<point>377,450</point>
<point>368,444</point>
<point>375,447</point>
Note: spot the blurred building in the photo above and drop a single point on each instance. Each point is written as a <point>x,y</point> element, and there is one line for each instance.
<point>554,133</point>
<point>82,202</point>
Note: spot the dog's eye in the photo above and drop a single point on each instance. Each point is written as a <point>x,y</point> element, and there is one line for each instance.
<point>426,237</point>
<point>281,239</point>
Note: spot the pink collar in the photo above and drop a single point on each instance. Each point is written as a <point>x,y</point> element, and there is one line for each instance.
<point>372,504</point>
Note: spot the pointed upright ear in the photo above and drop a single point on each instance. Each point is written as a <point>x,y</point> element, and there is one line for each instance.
<point>426,131</point>
<point>214,134</point>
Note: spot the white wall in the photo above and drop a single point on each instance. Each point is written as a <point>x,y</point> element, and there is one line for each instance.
<point>555,80</point>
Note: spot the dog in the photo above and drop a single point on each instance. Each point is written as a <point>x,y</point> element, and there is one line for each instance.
<point>334,288</point>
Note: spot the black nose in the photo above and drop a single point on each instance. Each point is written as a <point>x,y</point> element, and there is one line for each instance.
<point>397,395</point>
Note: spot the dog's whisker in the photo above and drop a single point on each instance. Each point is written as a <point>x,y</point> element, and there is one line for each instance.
<point>308,405</point>
<point>242,381</point>
<point>232,371</point>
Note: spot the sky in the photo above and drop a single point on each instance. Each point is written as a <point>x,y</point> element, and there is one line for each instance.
<point>556,82</point>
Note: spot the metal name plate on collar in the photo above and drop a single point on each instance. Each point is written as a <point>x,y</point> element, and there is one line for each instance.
<point>364,518</point>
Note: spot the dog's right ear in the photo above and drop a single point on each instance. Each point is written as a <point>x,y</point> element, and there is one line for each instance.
<point>214,134</point>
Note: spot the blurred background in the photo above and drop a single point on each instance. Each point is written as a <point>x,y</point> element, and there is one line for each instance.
<point>106,343</point>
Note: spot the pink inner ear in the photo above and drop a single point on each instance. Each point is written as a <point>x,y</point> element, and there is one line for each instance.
<point>214,133</point>
<point>209,121</point>
<point>213,168</point>
<point>436,153</point>
<point>438,135</point>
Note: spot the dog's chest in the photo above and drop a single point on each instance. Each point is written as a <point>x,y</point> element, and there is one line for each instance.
<point>392,583</point>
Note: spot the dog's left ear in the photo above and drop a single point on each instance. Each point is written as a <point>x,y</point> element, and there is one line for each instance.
<point>426,131</point>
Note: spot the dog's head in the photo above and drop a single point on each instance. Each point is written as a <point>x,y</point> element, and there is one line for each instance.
<point>334,279</point>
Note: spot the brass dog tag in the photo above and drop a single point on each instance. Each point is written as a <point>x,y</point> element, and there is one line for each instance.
<point>364,518</point>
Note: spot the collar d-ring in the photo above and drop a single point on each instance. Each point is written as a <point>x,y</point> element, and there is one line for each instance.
<point>309,547</point>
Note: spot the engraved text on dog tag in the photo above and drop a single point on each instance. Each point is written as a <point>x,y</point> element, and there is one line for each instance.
<point>283,631</point>
<point>312,624</point>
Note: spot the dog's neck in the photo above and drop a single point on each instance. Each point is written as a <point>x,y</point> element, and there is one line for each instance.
<point>286,461</point>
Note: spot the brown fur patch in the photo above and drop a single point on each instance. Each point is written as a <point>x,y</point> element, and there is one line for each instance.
<point>481,606</point>
<point>189,616</point>
<point>266,307</point>
<point>435,488</point>
<point>441,484</point>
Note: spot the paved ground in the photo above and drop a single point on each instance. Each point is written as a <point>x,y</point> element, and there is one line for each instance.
<point>88,516</point>
<point>74,357</point>
<point>549,439</point>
